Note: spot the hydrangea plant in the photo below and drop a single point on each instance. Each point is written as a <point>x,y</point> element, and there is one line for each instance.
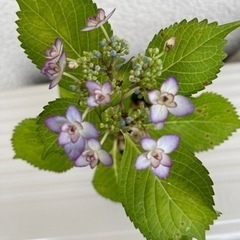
<point>137,122</point>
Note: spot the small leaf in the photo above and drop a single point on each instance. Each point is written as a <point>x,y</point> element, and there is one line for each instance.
<point>28,146</point>
<point>214,120</point>
<point>197,56</point>
<point>180,206</point>
<point>41,22</point>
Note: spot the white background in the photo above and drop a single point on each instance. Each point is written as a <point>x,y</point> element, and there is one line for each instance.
<point>135,20</point>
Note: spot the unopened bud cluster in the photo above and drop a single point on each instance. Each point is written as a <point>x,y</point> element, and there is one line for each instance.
<point>146,68</point>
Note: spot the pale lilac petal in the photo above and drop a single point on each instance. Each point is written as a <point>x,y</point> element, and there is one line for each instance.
<point>89,130</point>
<point>106,100</point>
<point>142,162</point>
<point>93,163</point>
<point>73,115</point>
<point>161,171</point>
<point>81,162</point>
<point>101,14</point>
<point>91,102</point>
<point>148,143</point>
<point>54,123</point>
<point>58,44</point>
<point>107,88</point>
<point>110,14</point>
<point>184,106</point>
<point>158,113</point>
<point>170,85</point>
<point>91,86</point>
<point>166,160</point>
<point>74,150</point>
<point>154,96</point>
<point>168,143</point>
<point>63,138</point>
<point>55,81</point>
<point>62,61</point>
<point>105,158</point>
<point>94,144</point>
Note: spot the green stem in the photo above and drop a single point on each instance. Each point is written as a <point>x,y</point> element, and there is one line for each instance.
<point>86,112</point>
<point>71,76</point>
<point>105,136</point>
<point>105,33</point>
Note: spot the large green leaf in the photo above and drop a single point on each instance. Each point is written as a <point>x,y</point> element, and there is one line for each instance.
<point>41,22</point>
<point>181,205</point>
<point>29,147</point>
<point>197,56</point>
<point>214,120</point>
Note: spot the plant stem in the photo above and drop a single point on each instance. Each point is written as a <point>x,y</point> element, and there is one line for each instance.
<point>105,33</point>
<point>105,136</point>
<point>71,76</point>
<point>85,112</point>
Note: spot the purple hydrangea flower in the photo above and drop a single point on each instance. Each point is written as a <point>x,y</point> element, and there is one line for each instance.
<point>73,132</point>
<point>93,154</point>
<point>100,94</point>
<point>54,70</point>
<point>166,100</point>
<point>156,155</point>
<point>55,52</point>
<point>98,20</point>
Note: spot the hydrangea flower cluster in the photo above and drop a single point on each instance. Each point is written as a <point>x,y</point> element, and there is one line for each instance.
<point>105,95</point>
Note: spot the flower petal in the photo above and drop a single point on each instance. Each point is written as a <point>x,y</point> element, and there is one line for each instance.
<point>73,115</point>
<point>74,150</point>
<point>184,106</point>
<point>158,113</point>
<point>168,143</point>
<point>166,160</point>
<point>55,81</point>
<point>54,123</point>
<point>81,162</point>
<point>88,28</point>
<point>91,86</point>
<point>148,143</point>
<point>64,138</point>
<point>170,85</point>
<point>142,162</point>
<point>101,14</point>
<point>107,88</point>
<point>94,144</point>
<point>89,130</point>
<point>110,14</point>
<point>91,102</point>
<point>154,96</point>
<point>105,157</point>
<point>161,171</point>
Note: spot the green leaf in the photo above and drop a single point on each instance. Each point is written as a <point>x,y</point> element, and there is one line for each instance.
<point>197,56</point>
<point>41,22</point>
<point>28,146</point>
<point>181,205</point>
<point>105,179</point>
<point>214,120</point>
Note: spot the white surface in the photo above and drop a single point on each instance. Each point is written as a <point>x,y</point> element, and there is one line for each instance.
<point>42,205</point>
<point>135,20</point>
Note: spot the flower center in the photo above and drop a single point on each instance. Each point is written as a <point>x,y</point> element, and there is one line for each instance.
<point>166,99</point>
<point>155,156</point>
